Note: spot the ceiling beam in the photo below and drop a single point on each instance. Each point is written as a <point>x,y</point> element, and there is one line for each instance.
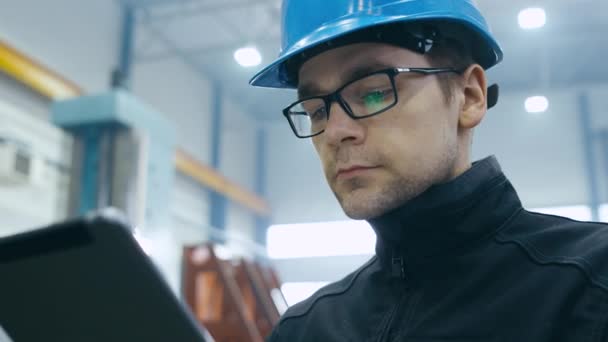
<point>154,3</point>
<point>266,41</point>
<point>206,9</point>
<point>174,49</point>
<point>512,42</point>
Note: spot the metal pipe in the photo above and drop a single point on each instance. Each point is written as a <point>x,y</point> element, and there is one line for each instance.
<point>34,75</point>
<point>188,10</point>
<point>261,223</point>
<point>122,75</point>
<point>218,201</point>
<point>603,137</point>
<point>89,181</point>
<point>216,124</point>
<point>589,153</point>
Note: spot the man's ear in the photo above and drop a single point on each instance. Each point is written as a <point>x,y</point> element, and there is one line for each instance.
<point>474,87</point>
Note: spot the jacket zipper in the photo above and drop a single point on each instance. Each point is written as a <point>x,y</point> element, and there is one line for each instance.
<point>397,271</point>
<point>397,267</point>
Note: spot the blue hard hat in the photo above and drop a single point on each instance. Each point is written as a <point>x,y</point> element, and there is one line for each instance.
<point>307,24</point>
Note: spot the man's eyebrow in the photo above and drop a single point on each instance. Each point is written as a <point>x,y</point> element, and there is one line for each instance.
<point>311,89</point>
<point>365,70</point>
<point>308,90</point>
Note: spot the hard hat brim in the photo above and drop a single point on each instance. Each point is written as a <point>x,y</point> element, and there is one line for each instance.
<point>273,75</point>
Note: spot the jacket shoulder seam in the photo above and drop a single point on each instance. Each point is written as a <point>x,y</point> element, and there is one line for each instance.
<point>329,293</point>
<point>565,218</point>
<point>540,258</point>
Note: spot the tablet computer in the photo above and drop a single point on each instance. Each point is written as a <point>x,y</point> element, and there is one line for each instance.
<point>87,280</point>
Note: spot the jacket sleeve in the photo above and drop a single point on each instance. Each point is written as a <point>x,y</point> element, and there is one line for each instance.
<point>598,309</point>
<point>274,336</point>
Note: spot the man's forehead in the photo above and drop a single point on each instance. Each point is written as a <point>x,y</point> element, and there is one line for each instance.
<point>325,73</point>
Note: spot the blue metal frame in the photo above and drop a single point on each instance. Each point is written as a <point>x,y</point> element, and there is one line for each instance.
<point>150,3</point>
<point>218,201</point>
<point>603,138</point>
<point>89,185</point>
<point>216,124</point>
<point>125,57</point>
<point>96,119</point>
<point>92,134</point>
<point>261,223</point>
<point>589,153</point>
<point>128,32</point>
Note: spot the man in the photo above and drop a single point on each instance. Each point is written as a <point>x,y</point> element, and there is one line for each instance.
<point>390,92</point>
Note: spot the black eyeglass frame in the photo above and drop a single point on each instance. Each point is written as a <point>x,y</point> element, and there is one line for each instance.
<point>336,97</point>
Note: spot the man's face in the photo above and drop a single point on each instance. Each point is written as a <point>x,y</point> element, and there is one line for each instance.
<point>375,164</point>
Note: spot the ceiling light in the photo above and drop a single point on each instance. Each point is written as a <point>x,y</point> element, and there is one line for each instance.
<point>532,18</point>
<point>537,104</point>
<point>248,57</point>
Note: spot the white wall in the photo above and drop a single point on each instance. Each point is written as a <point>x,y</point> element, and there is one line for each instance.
<point>542,154</point>
<point>183,96</point>
<point>179,92</point>
<point>189,207</point>
<point>23,97</point>
<point>44,198</point>
<point>237,152</point>
<point>77,39</point>
<point>237,162</point>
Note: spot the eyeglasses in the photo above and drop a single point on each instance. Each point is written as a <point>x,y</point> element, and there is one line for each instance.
<point>366,96</point>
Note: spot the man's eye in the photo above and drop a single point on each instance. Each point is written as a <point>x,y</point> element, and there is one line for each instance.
<point>376,100</point>
<point>375,97</point>
<point>318,114</point>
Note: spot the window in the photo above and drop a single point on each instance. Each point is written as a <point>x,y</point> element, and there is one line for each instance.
<point>575,212</point>
<point>320,239</point>
<point>604,212</point>
<point>297,292</point>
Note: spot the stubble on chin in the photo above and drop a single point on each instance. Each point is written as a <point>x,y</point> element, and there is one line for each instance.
<point>364,199</point>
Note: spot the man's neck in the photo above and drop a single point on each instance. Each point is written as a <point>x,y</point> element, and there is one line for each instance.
<point>447,215</point>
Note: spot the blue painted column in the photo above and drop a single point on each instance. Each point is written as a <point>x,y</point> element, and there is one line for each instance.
<point>261,223</point>
<point>218,201</point>
<point>96,162</point>
<point>589,153</point>
<point>89,185</point>
<point>97,138</point>
<point>121,77</point>
<point>95,120</point>
<point>603,137</point>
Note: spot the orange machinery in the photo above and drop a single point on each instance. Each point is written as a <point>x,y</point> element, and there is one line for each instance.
<point>233,300</point>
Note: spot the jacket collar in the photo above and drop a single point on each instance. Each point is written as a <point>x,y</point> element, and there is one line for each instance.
<point>447,217</point>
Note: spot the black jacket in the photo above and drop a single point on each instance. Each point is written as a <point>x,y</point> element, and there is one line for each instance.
<point>465,262</point>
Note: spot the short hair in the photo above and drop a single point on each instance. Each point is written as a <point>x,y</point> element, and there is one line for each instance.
<point>453,54</point>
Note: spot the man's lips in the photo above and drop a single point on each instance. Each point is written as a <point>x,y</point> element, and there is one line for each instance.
<point>354,170</point>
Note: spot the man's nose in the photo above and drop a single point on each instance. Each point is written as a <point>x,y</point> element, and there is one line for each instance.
<point>341,127</point>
